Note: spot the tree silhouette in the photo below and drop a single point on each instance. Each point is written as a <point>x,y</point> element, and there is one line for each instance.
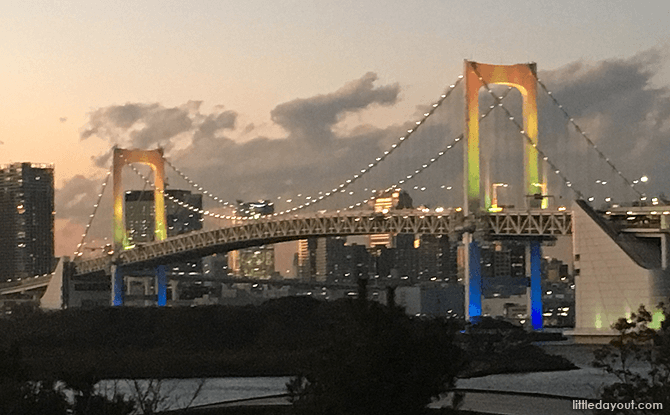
<point>637,343</point>
<point>377,360</point>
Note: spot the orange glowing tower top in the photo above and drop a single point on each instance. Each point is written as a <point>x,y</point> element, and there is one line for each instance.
<point>522,77</point>
<point>153,158</point>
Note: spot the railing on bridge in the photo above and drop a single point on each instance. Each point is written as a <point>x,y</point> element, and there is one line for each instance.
<point>274,229</point>
<point>529,222</point>
<point>25,284</point>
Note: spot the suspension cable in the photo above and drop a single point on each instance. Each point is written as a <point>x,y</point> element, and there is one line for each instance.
<point>551,164</point>
<point>78,252</point>
<point>587,138</point>
<point>430,162</point>
<point>182,203</point>
<point>418,171</point>
<point>312,200</point>
<point>413,175</point>
<point>196,185</point>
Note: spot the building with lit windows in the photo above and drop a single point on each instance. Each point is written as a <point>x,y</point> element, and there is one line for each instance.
<point>436,258</point>
<point>254,262</point>
<point>331,259</point>
<point>27,225</point>
<point>139,216</point>
<point>306,258</point>
<point>384,202</point>
<point>139,211</point>
<point>504,269</point>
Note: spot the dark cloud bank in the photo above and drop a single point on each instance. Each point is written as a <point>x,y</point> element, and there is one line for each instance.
<point>627,117</point>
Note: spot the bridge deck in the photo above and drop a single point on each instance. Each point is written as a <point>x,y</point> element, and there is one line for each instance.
<point>281,229</point>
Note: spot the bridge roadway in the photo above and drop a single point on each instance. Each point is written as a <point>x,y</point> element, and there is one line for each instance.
<point>274,229</point>
<point>25,284</point>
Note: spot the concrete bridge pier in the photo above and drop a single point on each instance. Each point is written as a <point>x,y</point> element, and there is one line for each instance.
<point>174,290</point>
<point>119,285</point>
<point>473,280</point>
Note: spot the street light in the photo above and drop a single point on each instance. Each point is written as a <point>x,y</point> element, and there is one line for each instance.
<point>643,179</point>
<point>494,200</point>
<point>543,188</point>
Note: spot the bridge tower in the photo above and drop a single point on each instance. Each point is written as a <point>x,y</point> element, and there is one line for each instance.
<point>477,198</point>
<point>153,158</point>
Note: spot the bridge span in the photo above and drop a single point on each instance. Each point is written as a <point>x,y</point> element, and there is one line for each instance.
<point>275,229</point>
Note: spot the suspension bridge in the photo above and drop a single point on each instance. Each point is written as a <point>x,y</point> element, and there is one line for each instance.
<point>539,172</point>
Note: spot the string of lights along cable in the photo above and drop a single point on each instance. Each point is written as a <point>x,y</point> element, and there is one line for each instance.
<point>182,203</point>
<point>311,200</point>
<point>340,188</point>
<point>196,185</point>
<point>78,252</point>
<point>416,172</point>
<point>432,161</point>
<point>589,141</point>
<point>519,127</point>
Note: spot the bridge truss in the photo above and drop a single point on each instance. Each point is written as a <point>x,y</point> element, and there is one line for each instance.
<point>282,229</point>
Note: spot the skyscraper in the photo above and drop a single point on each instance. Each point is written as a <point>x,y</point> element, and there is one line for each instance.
<point>140,214</point>
<point>27,220</point>
<point>307,258</point>
<point>140,227</point>
<point>385,201</point>
<point>255,262</point>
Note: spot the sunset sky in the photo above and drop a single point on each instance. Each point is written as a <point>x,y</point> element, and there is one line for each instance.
<point>72,70</point>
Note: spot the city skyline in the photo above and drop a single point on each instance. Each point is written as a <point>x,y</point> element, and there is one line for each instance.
<point>225,87</point>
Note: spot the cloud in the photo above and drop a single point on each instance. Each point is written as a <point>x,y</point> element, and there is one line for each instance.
<point>206,144</point>
<point>76,197</point>
<point>312,119</point>
<point>136,125</point>
<point>615,101</point>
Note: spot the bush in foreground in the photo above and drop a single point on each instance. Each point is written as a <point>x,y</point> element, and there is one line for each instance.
<point>377,360</point>
<point>640,358</point>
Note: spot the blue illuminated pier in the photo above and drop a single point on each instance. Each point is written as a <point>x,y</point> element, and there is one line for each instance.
<point>117,286</point>
<point>161,285</point>
<point>535,285</point>
<point>475,284</point>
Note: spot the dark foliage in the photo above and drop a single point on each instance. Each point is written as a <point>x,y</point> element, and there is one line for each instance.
<point>495,346</point>
<point>21,396</point>
<point>376,360</point>
<point>640,358</point>
<point>273,339</point>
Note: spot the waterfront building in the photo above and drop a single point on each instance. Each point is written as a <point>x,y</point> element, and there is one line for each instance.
<point>27,225</point>
<point>432,299</point>
<point>384,202</point>
<point>139,211</point>
<point>436,258</point>
<point>332,259</point>
<point>259,261</point>
<point>306,260</point>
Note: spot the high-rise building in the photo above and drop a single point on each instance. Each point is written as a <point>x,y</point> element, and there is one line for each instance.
<point>139,213</point>
<point>255,262</point>
<point>307,258</point>
<point>331,259</point>
<point>385,201</point>
<point>27,220</point>
<point>436,259</point>
<point>503,269</point>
